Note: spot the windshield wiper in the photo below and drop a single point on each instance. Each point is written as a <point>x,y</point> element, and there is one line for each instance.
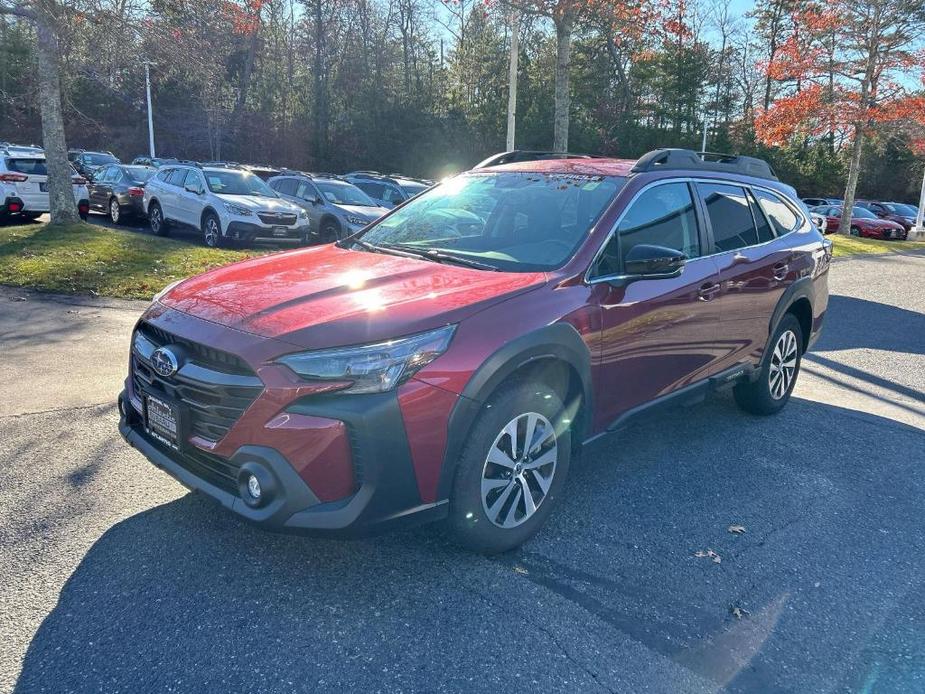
<point>442,257</point>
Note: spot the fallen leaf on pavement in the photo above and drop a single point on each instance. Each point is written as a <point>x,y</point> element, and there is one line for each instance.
<point>708,553</point>
<point>17,298</point>
<point>738,612</point>
<point>520,570</point>
<point>736,529</point>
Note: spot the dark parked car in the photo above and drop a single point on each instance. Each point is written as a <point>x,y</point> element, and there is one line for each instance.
<point>88,162</point>
<point>904,215</point>
<point>118,190</point>
<point>864,223</point>
<point>416,371</point>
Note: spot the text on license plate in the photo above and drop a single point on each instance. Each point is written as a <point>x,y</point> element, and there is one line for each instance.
<point>161,420</point>
<point>280,231</point>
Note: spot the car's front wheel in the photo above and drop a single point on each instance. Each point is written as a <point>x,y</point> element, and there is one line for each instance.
<point>156,220</point>
<point>771,390</point>
<point>512,469</point>
<point>330,231</point>
<point>212,231</point>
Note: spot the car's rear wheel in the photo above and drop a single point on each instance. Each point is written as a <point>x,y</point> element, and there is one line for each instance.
<point>771,390</point>
<point>855,231</point>
<point>156,219</point>
<point>212,231</point>
<point>115,211</point>
<point>512,469</point>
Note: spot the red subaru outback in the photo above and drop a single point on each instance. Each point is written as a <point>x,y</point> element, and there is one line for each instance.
<point>449,360</point>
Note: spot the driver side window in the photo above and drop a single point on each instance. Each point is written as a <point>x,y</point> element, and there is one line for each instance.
<point>661,216</point>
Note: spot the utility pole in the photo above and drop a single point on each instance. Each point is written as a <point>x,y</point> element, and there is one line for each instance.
<point>512,79</point>
<point>917,232</point>
<point>703,144</point>
<point>150,115</point>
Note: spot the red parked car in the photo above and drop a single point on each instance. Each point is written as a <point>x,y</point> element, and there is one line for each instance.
<point>450,359</point>
<point>864,223</point>
<point>904,215</point>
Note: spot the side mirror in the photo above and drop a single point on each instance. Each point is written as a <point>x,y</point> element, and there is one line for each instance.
<point>193,188</point>
<point>653,262</point>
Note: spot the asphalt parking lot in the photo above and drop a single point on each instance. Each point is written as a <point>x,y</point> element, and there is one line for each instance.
<point>114,579</point>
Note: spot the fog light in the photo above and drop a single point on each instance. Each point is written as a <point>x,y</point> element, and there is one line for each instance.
<point>253,487</point>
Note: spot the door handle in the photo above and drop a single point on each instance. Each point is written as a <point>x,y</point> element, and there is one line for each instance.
<point>781,270</point>
<point>708,291</point>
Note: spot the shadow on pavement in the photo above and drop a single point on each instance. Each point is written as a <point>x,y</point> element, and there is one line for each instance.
<point>184,597</point>
<point>880,323</point>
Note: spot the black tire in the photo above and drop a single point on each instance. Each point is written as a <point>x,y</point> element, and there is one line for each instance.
<point>159,226</point>
<point>84,216</point>
<point>212,231</point>
<point>115,211</point>
<point>759,396</point>
<point>855,231</point>
<point>330,231</point>
<point>468,518</point>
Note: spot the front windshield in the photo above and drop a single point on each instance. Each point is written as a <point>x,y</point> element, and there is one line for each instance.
<point>237,183</point>
<point>861,213</point>
<point>510,221</point>
<point>99,159</point>
<point>139,174</point>
<point>344,194</point>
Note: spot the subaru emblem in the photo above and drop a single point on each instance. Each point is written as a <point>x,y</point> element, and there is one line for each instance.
<point>164,362</point>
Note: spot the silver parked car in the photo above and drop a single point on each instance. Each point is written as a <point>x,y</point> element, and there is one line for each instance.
<point>336,208</point>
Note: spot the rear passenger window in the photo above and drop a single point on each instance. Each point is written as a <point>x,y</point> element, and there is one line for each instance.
<point>177,176</point>
<point>730,216</point>
<point>661,216</point>
<point>782,217</point>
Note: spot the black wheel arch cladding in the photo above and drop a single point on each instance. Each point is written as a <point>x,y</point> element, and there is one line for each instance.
<point>559,343</point>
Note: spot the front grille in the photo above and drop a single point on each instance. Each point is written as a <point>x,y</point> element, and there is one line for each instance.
<point>214,387</point>
<point>279,219</point>
<point>218,471</point>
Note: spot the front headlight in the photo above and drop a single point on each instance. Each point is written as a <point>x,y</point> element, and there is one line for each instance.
<point>238,210</point>
<point>372,368</point>
<point>303,214</point>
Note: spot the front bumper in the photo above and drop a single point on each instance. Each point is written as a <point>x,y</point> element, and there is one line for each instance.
<point>386,497</point>
<point>246,231</point>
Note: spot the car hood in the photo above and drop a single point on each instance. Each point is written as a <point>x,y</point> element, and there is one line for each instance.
<point>327,296</point>
<point>368,213</point>
<point>259,202</point>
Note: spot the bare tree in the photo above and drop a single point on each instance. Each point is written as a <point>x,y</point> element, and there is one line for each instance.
<point>45,16</point>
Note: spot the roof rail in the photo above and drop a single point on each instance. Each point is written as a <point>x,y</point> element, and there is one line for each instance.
<point>688,159</point>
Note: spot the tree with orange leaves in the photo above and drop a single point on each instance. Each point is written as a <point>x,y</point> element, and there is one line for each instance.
<point>859,83</point>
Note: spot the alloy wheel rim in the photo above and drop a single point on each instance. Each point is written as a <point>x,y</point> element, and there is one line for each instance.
<point>783,366</point>
<point>114,211</point>
<point>519,470</point>
<point>211,232</point>
<point>156,219</point>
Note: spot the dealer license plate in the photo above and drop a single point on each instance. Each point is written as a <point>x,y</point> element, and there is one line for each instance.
<point>162,420</point>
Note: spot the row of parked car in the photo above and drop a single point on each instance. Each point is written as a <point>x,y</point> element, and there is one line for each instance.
<point>231,202</point>
<point>869,218</point>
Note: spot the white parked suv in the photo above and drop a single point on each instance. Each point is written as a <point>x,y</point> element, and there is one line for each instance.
<point>24,184</point>
<point>225,203</point>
